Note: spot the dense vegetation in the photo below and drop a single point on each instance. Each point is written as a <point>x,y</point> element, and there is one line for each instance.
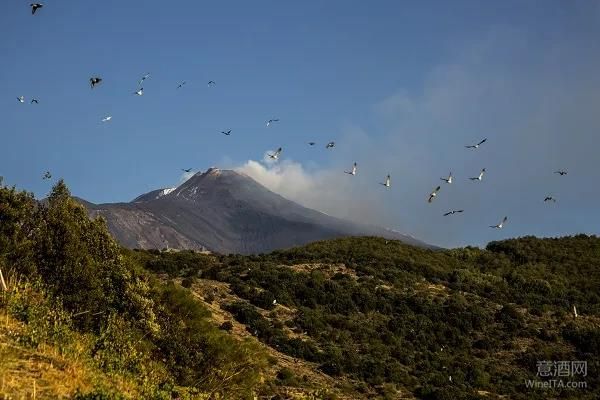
<point>387,313</point>
<point>383,316</point>
<point>72,279</point>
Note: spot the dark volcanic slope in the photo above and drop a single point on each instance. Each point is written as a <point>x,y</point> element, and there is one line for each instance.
<point>227,212</point>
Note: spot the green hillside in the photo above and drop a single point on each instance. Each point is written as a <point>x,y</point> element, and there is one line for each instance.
<point>354,318</point>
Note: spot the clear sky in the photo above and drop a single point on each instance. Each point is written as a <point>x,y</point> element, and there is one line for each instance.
<point>400,86</point>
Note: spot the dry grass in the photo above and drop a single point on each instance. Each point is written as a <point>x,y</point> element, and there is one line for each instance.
<point>44,373</point>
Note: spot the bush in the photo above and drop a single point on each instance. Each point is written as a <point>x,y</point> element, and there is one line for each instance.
<point>188,282</point>
<point>226,326</point>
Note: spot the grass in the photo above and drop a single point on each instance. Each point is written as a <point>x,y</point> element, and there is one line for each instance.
<point>47,371</point>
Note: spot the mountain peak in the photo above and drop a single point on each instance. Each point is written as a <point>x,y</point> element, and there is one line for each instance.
<point>228,212</point>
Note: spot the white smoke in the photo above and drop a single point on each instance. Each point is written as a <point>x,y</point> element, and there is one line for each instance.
<point>328,190</point>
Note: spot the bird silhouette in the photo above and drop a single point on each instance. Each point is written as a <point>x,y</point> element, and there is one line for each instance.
<point>501,224</point>
<point>352,171</point>
<point>276,155</point>
<point>95,81</point>
<point>453,212</point>
<point>35,7</point>
<point>433,194</point>
<point>476,146</point>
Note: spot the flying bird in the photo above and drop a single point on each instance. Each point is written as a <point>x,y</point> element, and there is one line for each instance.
<point>388,182</point>
<point>549,198</point>
<point>140,92</point>
<point>433,194</point>
<point>35,6</point>
<point>501,224</point>
<point>21,99</point>
<point>226,133</point>
<point>476,146</point>
<point>144,78</point>
<point>34,101</point>
<point>269,122</point>
<point>561,172</point>
<point>211,83</point>
<point>311,143</point>
<point>274,302</point>
<point>575,311</point>
<point>186,169</point>
<point>330,145</point>
<point>480,177</point>
<point>448,179</point>
<point>276,155</point>
<point>47,175</point>
<point>180,85</point>
<point>353,171</point>
<point>453,212</point>
<point>107,118</point>
<point>95,81</point>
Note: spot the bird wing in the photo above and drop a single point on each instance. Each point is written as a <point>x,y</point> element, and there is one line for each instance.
<point>482,142</point>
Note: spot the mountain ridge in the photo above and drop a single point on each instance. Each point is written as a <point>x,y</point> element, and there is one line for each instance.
<point>225,211</point>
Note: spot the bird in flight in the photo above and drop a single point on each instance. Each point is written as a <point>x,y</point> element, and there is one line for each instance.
<point>95,81</point>
<point>501,224</point>
<point>211,83</point>
<point>330,145</point>
<point>353,171</point>
<point>433,194</point>
<point>452,212</point>
<point>34,101</point>
<point>276,155</point>
<point>180,85</point>
<point>480,177</point>
<point>561,172</point>
<point>47,175</point>
<point>35,6</point>
<point>269,122</point>
<point>107,118</point>
<point>226,133</point>
<point>144,78</point>
<point>139,92</point>
<point>186,169</point>
<point>448,179</point>
<point>476,146</point>
<point>387,182</point>
<point>311,143</point>
<point>21,99</point>
<point>549,198</point>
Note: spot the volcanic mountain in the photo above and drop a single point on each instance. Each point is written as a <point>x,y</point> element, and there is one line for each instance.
<point>227,212</point>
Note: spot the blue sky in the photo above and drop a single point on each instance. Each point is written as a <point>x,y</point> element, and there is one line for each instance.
<point>400,86</point>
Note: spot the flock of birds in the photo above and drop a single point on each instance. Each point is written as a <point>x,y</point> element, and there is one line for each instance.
<point>96,80</point>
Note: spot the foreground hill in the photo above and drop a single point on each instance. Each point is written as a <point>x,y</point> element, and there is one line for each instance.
<point>226,212</point>
<point>392,320</point>
<point>350,318</point>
